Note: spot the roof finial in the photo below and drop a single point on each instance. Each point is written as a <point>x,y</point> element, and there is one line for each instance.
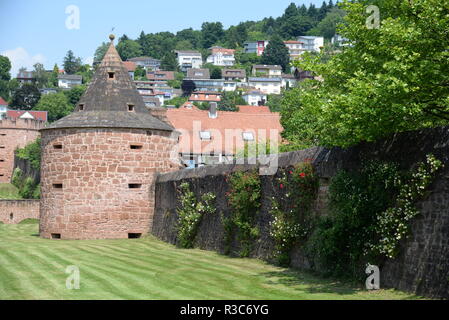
<point>111,37</point>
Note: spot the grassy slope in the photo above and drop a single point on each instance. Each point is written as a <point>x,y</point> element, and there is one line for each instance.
<point>34,268</point>
<point>8,191</point>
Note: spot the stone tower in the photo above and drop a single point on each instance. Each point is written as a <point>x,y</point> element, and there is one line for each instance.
<point>98,163</point>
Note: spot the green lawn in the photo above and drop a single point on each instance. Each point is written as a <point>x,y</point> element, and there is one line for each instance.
<point>8,191</point>
<point>34,268</point>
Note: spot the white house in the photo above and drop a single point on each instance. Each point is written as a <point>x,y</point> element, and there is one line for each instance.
<point>312,43</point>
<point>295,49</point>
<point>255,98</point>
<point>266,85</point>
<point>3,108</point>
<point>188,59</point>
<point>221,57</point>
<point>340,41</point>
<point>229,86</point>
<point>68,81</point>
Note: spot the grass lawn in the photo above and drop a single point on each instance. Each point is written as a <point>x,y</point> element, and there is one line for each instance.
<point>34,268</point>
<point>8,191</point>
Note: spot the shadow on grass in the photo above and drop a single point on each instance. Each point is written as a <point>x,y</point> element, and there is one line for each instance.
<point>309,283</point>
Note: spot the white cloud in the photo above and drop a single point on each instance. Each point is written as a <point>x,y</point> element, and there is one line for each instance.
<point>19,57</point>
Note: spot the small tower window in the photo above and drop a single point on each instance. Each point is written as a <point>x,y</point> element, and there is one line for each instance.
<point>57,146</point>
<point>136,146</point>
<point>111,75</point>
<point>135,185</point>
<point>130,107</point>
<point>2,160</point>
<point>81,107</point>
<point>57,185</point>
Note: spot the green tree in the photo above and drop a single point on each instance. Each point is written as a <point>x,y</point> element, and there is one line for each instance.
<point>5,76</point>
<point>296,26</point>
<point>71,63</point>
<point>74,94</point>
<point>100,52</point>
<point>169,62</point>
<point>5,68</point>
<point>193,36</point>
<point>394,78</point>
<point>276,53</point>
<point>230,100</point>
<point>53,77</point>
<point>140,73</point>
<point>214,71</point>
<point>25,97</point>
<point>41,75</point>
<point>327,27</point>
<point>212,33</point>
<point>129,49</point>
<point>56,104</point>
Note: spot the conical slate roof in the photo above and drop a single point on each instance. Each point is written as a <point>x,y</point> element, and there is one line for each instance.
<point>111,101</point>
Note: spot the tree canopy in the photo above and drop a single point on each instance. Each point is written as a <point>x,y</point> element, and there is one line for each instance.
<point>276,53</point>
<point>25,97</point>
<point>391,79</point>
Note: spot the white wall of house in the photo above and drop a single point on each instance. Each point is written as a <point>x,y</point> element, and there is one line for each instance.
<point>267,87</point>
<point>220,59</point>
<point>67,84</point>
<point>254,99</point>
<point>229,86</point>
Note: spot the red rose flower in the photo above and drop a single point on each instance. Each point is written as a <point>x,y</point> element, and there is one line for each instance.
<point>281,186</point>
<point>302,174</point>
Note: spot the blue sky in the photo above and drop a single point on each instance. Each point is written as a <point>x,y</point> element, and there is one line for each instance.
<point>35,30</point>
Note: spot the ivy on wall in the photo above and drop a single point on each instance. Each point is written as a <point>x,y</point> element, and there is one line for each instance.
<point>244,198</point>
<point>370,213</point>
<point>297,189</point>
<point>190,213</point>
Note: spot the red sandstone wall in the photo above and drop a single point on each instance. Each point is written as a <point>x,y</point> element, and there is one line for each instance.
<point>15,134</point>
<point>95,168</point>
<point>14,211</point>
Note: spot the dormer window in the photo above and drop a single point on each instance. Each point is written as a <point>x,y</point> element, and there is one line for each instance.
<point>205,135</point>
<point>111,75</point>
<point>81,107</point>
<point>130,107</point>
<point>248,136</point>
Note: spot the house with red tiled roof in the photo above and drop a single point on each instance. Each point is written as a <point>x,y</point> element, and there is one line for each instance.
<point>131,67</point>
<point>27,114</point>
<point>213,136</point>
<point>221,57</point>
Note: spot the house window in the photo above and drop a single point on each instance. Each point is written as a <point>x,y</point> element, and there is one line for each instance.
<point>248,136</point>
<point>111,75</point>
<point>130,107</point>
<point>205,135</point>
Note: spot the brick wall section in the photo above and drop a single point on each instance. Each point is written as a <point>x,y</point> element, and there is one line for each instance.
<point>423,264</point>
<point>95,168</point>
<point>15,211</point>
<point>15,134</point>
